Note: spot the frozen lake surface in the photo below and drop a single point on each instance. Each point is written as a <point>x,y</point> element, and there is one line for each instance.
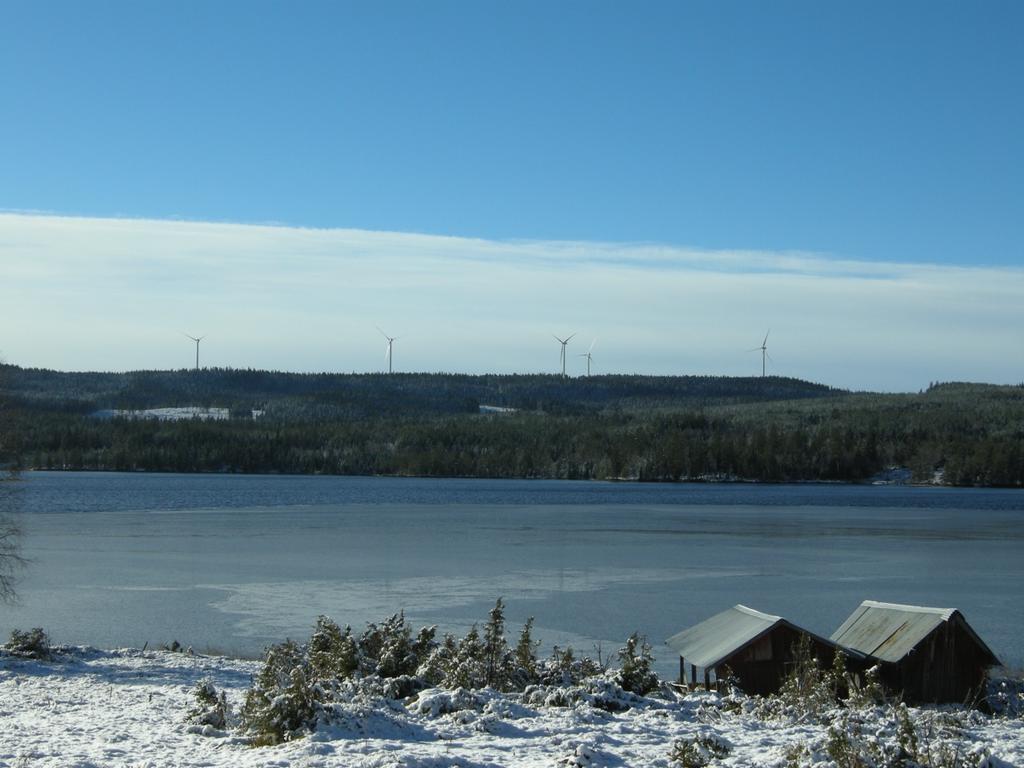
<point>235,563</point>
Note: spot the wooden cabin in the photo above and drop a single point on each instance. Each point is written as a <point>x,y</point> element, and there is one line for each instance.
<point>757,648</point>
<point>925,654</point>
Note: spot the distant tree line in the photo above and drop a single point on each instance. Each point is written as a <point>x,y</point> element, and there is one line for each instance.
<point>641,428</point>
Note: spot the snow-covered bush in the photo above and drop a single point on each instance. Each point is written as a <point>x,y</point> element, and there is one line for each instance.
<point>894,736</point>
<point>332,652</point>
<point>497,661</point>
<point>524,657</point>
<point>437,701</point>
<point>210,708</point>
<point>388,649</point>
<point>479,661</point>
<point>698,751</point>
<point>564,668</point>
<point>284,698</point>
<point>33,644</point>
<point>635,673</point>
<point>435,666</point>
<point>597,692</point>
<point>322,680</point>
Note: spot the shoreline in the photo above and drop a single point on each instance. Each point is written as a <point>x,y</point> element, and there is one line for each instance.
<point>615,480</point>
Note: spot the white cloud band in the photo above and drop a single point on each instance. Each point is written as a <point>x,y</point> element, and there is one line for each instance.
<point>91,293</point>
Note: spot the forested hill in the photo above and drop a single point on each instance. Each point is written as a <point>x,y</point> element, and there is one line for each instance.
<point>317,396</point>
<point>634,427</point>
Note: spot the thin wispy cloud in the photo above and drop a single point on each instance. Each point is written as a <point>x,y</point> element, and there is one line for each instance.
<point>115,294</point>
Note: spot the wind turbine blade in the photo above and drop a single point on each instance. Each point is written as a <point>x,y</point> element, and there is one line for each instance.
<point>592,345</point>
<point>755,349</point>
<point>769,356</point>
<point>570,336</point>
<point>381,332</point>
<point>766,337</point>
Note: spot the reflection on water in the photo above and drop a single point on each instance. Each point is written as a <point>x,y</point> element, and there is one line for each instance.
<point>237,562</point>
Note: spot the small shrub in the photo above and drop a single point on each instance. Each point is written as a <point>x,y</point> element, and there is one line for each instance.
<point>33,644</point>
<point>698,751</point>
<point>435,666</point>
<point>635,674</point>
<point>495,654</point>
<point>210,708</point>
<point>468,667</point>
<point>842,748</point>
<point>387,649</point>
<point>807,689</point>
<point>424,644</point>
<point>795,754</point>
<point>867,692</point>
<point>283,701</point>
<point>838,676</point>
<point>524,657</point>
<point>434,702</point>
<point>906,734</point>
<point>563,668</point>
<point>595,691</point>
<point>332,652</point>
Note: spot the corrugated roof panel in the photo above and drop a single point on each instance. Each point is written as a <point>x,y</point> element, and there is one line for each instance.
<point>716,639</point>
<point>889,631</point>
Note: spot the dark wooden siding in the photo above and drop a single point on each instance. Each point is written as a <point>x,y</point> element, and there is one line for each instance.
<point>947,667</point>
<point>761,667</point>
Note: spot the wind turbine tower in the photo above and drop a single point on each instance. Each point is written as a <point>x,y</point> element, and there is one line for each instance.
<point>196,340</point>
<point>589,356</point>
<point>764,353</point>
<point>387,350</point>
<point>563,342</point>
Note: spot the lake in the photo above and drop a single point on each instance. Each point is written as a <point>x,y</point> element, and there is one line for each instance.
<point>234,563</point>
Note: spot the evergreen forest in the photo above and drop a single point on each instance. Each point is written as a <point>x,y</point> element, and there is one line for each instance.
<point>644,428</point>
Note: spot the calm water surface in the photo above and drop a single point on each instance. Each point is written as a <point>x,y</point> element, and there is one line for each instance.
<point>238,562</point>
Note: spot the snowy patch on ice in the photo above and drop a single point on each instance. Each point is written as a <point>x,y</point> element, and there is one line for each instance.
<point>276,608</point>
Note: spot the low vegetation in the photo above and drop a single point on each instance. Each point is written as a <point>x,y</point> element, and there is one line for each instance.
<point>403,688</point>
<point>30,644</point>
<point>388,669</point>
<point>299,686</point>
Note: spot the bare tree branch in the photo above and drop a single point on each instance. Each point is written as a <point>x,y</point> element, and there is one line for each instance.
<point>11,559</point>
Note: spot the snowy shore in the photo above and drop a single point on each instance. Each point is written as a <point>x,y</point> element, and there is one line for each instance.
<point>89,707</point>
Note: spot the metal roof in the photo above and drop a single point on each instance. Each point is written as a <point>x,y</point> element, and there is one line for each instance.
<point>889,631</point>
<point>712,641</point>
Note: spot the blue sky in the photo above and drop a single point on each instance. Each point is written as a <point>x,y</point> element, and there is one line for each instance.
<point>885,134</point>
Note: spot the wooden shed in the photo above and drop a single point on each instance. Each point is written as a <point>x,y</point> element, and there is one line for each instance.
<point>756,647</point>
<point>925,654</point>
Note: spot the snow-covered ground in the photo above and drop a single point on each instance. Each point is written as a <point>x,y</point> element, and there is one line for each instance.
<point>89,707</point>
<point>180,413</point>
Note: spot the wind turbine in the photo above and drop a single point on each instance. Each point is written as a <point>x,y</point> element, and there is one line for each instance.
<point>764,352</point>
<point>588,356</point>
<point>387,351</point>
<point>196,340</point>
<point>563,342</point>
